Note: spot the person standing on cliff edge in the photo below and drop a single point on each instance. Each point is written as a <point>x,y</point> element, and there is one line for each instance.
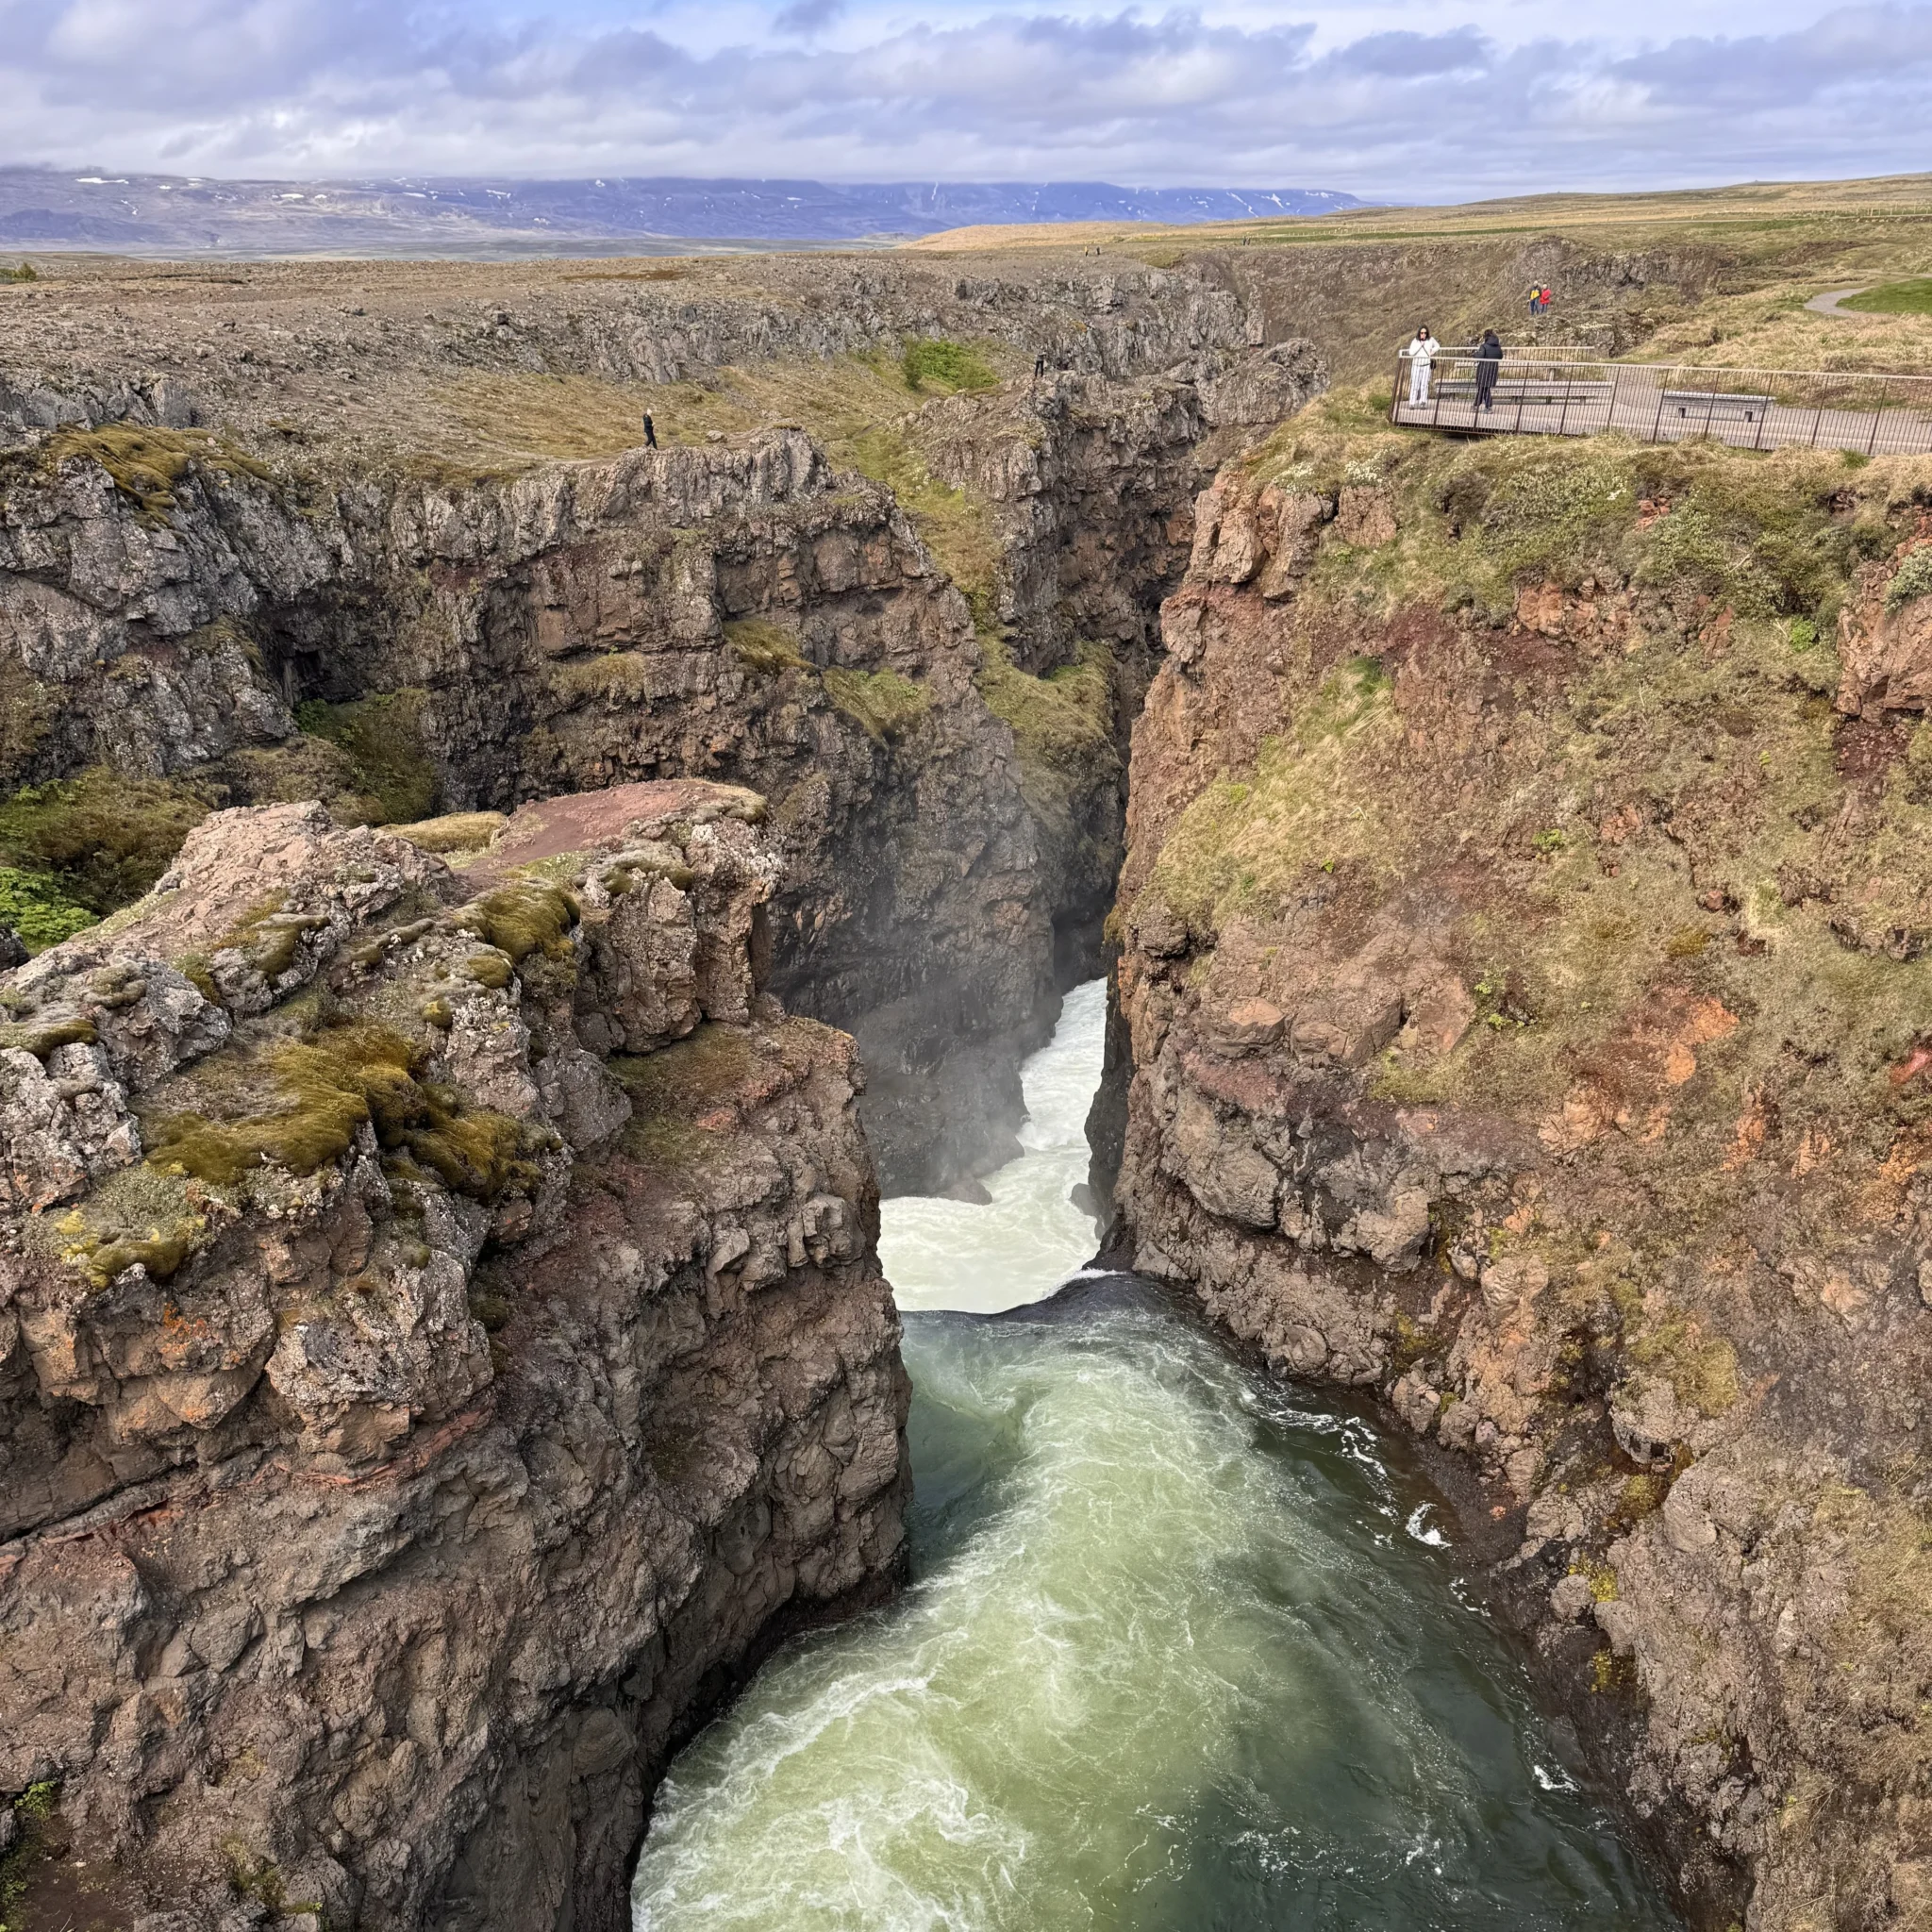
<point>650,432</point>
<point>1420,354</point>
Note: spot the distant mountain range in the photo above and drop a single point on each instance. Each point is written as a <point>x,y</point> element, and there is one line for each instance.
<point>173,214</point>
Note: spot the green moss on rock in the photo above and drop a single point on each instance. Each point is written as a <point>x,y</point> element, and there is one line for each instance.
<point>103,838</point>
<point>763,646</point>
<point>522,917</point>
<point>147,465</point>
<point>314,1096</point>
<point>933,362</point>
<point>42,1036</point>
<point>882,704</point>
<point>382,738</point>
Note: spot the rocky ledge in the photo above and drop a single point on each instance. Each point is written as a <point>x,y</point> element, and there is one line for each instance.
<point>441,1348</point>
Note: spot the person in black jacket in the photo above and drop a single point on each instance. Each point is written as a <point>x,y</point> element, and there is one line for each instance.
<point>1488,360</point>
<point>650,432</point>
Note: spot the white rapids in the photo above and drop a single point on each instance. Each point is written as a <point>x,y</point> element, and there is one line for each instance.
<point>1027,1240</point>
<point>1183,1649</point>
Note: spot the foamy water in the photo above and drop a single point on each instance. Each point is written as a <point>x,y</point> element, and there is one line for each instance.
<point>1030,1237</point>
<point>1185,1650</point>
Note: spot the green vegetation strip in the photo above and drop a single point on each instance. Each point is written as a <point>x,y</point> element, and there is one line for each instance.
<point>1893,298</point>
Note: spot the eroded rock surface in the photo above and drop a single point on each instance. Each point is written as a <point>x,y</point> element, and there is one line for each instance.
<point>441,1346</point>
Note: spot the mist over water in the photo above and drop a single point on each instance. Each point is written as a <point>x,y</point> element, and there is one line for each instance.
<point>1184,1648</point>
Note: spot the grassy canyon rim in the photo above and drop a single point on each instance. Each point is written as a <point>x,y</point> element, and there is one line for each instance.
<point>1512,857</point>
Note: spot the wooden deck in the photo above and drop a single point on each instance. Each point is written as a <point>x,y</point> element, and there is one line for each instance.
<point>1871,415</point>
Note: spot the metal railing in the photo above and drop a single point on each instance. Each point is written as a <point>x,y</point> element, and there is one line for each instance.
<point>1671,402</point>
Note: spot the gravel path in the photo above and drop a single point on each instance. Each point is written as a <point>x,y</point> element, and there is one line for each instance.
<point>1827,304</point>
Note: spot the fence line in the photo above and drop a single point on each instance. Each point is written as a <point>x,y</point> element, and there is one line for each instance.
<point>1671,402</point>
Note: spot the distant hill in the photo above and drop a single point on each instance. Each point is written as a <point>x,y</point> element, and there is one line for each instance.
<point>148,214</point>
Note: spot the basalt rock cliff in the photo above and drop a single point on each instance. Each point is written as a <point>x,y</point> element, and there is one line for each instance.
<point>331,548</point>
<point>440,1347</point>
<point>1524,1009</point>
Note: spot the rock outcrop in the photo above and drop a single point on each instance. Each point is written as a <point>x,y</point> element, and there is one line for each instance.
<point>1525,978</point>
<point>441,1347</point>
<point>176,583</point>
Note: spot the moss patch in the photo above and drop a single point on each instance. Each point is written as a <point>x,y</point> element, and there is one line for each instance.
<point>147,465</point>
<point>1317,799</point>
<point>1911,580</point>
<point>673,1090</point>
<point>932,362</point>
<point>763,646</point>
<point>310,1095</point>
<point>527,917</point>
<point>617,677</point>
<point>382,738</point>
<point>98,839</point>
<point>139,1215</point>
<point>42,1037</point>
<point>462,831</point>
<point>882,703</point>
<point>33,1813</point>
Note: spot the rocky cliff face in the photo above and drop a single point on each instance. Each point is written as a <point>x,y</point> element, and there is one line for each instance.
<point>932,702</point>
<point>1526,982</point>
<point>440,1344</point>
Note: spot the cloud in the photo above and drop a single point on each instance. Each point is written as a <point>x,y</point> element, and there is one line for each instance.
<point>807,17</point>
<point>353,87</point>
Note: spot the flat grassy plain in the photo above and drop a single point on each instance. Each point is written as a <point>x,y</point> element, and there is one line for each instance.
<point>1705,276</point>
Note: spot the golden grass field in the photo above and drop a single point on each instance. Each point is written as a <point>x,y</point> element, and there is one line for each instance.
<point>1710,276</point>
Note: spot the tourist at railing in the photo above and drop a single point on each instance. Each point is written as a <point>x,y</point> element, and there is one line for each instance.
<point>1420,354</point>
<point>1489,359</point>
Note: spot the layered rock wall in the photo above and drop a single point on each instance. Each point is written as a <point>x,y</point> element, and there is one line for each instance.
<point>441,1347</point>
<point>1526,997</point>
<point>174,587</point>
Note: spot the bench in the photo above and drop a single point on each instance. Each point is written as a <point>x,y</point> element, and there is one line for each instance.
<point>1514,389</point>
<point>1708,405</point>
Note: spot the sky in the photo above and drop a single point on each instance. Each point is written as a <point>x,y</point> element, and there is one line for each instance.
<point>1392,100</point>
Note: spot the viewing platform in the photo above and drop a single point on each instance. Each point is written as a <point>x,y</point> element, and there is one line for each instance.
<point>1668,402</point>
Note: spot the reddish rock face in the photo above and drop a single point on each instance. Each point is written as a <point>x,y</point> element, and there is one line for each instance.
<point>1521,1003</point>
<point>1885,638</point>
<point>441,1346</point>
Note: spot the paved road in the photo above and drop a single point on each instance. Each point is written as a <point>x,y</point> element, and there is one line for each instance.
<point>1827,304</point>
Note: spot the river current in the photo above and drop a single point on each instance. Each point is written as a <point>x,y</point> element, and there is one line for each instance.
<point>1185,1649</point>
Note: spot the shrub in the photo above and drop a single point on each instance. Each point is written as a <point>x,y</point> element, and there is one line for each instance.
<point>38,908</point>
<point>1911,580</point>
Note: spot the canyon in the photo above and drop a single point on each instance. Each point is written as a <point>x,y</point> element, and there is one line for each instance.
<point>510,895</point>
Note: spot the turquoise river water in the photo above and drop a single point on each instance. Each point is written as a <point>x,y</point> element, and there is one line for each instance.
<point>1185,1649</point>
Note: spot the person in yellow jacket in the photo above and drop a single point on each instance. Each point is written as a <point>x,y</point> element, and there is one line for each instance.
<point>1419,353</point>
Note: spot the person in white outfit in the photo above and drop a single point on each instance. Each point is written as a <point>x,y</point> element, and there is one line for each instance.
<point>1420,354</point>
